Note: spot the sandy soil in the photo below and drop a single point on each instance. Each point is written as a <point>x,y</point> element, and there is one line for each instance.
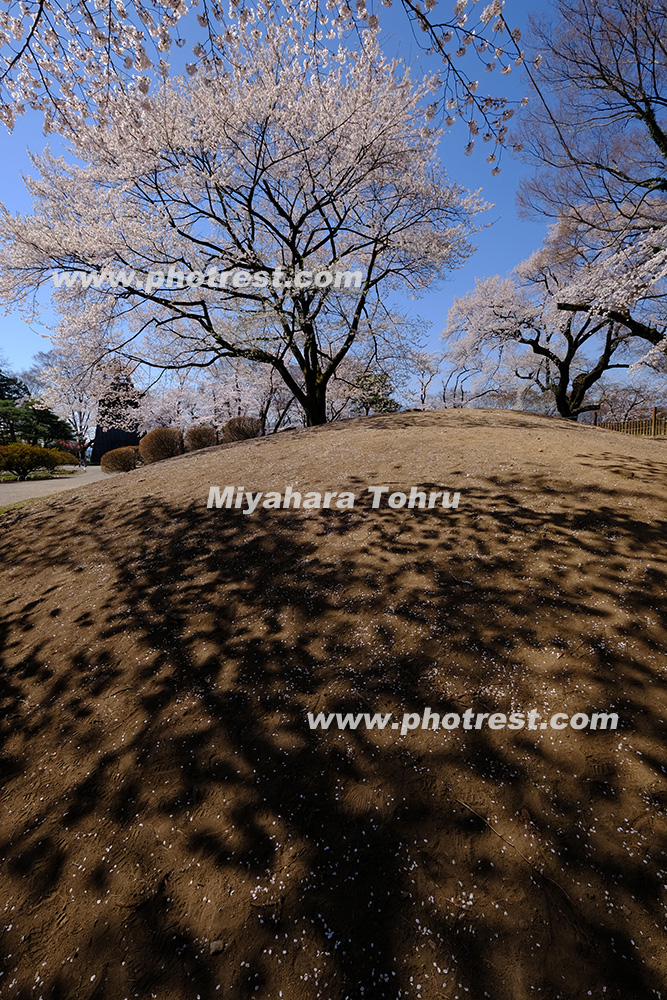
<point>170,826</point>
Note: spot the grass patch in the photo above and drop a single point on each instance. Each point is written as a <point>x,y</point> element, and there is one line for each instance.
<point>6,508</point>
<point>38,475</point>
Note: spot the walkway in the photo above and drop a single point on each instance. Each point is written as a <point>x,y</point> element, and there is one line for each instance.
<point>14,492</point>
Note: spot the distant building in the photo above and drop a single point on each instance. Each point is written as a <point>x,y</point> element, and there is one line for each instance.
<point>117,427</point>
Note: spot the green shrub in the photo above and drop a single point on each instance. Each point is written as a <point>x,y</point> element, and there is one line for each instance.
<point>65,457</point>
<point>200,437</point>
<point>241,428</point>
<point>120,459</point>
<point>24,458</point>
<point>164,442</point>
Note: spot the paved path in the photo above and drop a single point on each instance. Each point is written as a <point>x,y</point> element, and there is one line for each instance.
<point>13,492</point>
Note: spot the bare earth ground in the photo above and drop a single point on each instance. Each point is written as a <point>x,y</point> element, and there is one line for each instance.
<point>169,825</point>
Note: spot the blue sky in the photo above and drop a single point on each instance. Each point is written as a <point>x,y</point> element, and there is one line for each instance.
<point>505,242</point>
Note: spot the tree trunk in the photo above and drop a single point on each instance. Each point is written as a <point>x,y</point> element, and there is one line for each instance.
<point>563,406</point>
<point>316,407</point>
<point>563,399</point>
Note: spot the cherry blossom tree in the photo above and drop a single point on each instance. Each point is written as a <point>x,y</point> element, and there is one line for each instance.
<point>284,161</point>
<point>474,377</point>
<point>631,401</point>
<point>561,322</point>
<point>237,387</point>
<point>212,396</point>
<point>175,404</point>
<point>425,367</point>
<point>56,380</point>
<point>66,60</point>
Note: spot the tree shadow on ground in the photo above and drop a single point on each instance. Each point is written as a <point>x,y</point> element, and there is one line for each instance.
<point>163,790</point>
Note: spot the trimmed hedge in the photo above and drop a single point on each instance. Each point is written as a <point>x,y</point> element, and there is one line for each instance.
<point>241,428</point>
<point>24,458</point>
<point>163,442</point>
<point>120,459</point>
<point>65,456</point>
<point>199,437</point>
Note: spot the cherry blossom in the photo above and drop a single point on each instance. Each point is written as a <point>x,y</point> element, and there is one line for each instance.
<point>289,159</point>
<point>67,61</point>
<point>566,317</point>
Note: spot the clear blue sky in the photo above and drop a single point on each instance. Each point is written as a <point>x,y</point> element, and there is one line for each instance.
<point>501,246</point>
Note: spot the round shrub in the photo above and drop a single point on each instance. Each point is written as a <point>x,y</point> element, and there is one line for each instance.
<point>241,428</point>
<point>120,459</point>
<point>65,457</point>
<point>24,458</point>
<point>164,442</point>
<point>200,437</point>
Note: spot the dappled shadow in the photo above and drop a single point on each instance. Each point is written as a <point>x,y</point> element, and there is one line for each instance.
<point>163,790</point>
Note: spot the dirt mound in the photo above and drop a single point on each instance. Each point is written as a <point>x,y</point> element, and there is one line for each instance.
<point>171,826</point>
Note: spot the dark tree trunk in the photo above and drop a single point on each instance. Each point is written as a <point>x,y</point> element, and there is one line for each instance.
<point>316,404</point>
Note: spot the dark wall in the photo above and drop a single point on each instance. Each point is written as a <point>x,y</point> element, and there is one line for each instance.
<point>108,440</point>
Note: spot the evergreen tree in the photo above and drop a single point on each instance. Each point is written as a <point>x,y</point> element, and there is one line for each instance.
<point>23,419</point>
<point>373,394</point>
